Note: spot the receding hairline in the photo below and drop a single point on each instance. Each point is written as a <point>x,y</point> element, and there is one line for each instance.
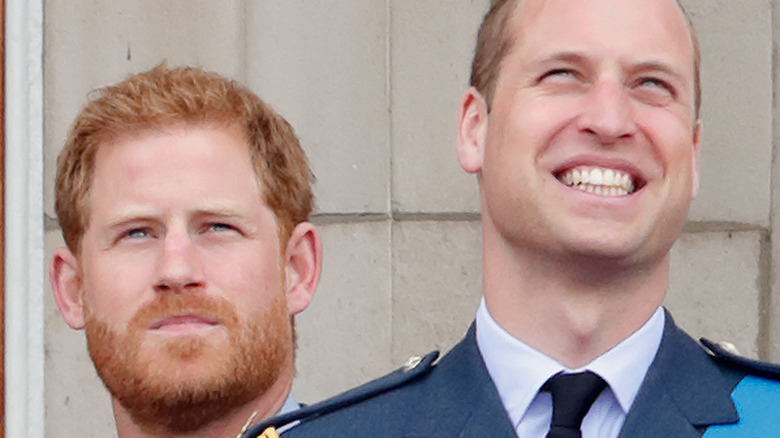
<point>509,35</point>
<point>515,5</point>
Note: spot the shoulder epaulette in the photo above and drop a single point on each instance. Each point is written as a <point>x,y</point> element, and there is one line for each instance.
<point>728,355</point>
<point>414,368</point>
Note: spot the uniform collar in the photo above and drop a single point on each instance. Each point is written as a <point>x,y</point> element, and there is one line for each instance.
<point>684,389</point>
<point>519,371</point>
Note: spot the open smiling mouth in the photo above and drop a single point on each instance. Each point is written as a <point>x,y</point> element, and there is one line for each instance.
<point>600,181</point>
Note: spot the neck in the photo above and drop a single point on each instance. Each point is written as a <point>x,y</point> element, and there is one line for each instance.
<point>266,405</point>
<point>572,310</point>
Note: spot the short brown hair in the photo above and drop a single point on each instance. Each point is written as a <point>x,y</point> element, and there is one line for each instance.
<point>494,41</point>
<point>165,97</point>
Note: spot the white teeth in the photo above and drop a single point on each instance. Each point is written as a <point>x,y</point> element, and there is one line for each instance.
<point>576,177</point>
<point>596,177</point>
<point>599,181</point>
<point>609,177</point>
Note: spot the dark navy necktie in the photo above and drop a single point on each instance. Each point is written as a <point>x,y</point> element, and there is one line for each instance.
<point>573,395</point>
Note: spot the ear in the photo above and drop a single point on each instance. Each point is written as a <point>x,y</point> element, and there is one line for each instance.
<point>695,161</point>
<point>472,130</point>
<point>302,265</point>
<point>65,277</point>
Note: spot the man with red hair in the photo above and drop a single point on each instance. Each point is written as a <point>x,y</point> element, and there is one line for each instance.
<point>184,202</point>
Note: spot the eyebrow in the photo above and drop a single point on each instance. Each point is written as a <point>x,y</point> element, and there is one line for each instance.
<point>225,213</point>
<point>146,215</point>
<point>574,57</point>
<point>661,67</point>
<point>579,58</point>
<point>131,215</point>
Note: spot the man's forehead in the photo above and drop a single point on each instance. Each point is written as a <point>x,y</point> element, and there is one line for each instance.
<point>210,165</point>
<point>667,16</point>
<point>182,143</point>
<point>534,5</point>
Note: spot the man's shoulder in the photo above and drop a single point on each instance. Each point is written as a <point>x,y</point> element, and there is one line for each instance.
<point>425,398</point>
<point>726,356</point>
<point>756,393</point>
<point>362,406</point>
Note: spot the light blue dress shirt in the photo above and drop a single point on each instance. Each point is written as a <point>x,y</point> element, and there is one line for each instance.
<point>519,372</point>
<point>289,405</point>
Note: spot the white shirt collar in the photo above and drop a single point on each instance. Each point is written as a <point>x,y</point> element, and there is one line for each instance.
<point>519,371</point>
<point>625,365</point>
<point>289,405</point>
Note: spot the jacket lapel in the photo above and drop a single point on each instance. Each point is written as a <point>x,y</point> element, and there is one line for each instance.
<point>487,421</point>
<point>683,392</point>
<point>479,404</point>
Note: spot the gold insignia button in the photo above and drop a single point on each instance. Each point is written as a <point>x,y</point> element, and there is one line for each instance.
<point>412,363</point>
<point>269,433</point>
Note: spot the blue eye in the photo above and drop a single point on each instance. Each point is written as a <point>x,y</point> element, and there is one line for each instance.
<point>220,227</point>
<point>137,233</point>
<point>658,83</point>
<point>654,91</point>
<point>564,72</point>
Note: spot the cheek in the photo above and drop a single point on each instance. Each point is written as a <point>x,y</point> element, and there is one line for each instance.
<point>114,301</point>
<point>248,279</point>
<point>114,288</point>
<point>521,137</point>
<point>677,157</point>
<point>672,136</point>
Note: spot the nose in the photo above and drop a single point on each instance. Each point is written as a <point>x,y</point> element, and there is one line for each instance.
<point>607,114</point>
<point>179,267</point>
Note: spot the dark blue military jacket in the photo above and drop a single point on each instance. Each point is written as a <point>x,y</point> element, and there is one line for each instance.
<point>688,392</point>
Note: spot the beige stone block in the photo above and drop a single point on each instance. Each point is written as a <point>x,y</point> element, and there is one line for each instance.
<point>432,43</point>
<point>714,287</point>
<point>344,337</point>
<point>91,43</point>
<point>736,146</point>
<point>323,65</point>
<point>436,284</point>
<point>77,403</point>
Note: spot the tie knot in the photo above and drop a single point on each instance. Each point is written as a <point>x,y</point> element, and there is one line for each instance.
<point>573,395</point>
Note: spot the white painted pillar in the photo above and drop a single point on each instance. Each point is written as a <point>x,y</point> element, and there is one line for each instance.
<point>24,232</point>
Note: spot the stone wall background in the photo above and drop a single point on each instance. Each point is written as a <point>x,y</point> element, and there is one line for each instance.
<point>372,87</point>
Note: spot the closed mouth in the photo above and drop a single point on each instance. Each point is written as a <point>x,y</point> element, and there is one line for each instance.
<point>174,321</point>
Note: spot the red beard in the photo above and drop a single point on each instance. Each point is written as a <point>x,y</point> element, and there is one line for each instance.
<point>184,383</point>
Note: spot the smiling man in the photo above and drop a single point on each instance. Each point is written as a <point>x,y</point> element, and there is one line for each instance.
<point>184,201</point>
<point>582,127</point>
